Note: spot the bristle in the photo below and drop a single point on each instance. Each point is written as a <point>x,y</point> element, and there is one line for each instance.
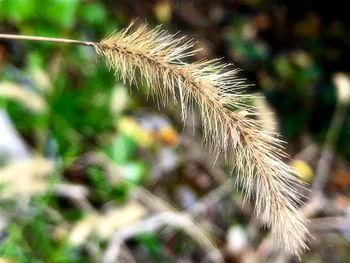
<point>228,126</point>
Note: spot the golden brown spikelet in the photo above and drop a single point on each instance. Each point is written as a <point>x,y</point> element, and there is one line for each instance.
<point>229,126</point>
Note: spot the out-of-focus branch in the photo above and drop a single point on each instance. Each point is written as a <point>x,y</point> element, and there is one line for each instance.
<point>153,224</point>
<point>77,193</point>
<point>342,83</point>
<point>341,224</point>
<point>212,198</point>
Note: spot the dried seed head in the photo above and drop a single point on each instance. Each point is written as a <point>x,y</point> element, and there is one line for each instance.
<point>228,127</point>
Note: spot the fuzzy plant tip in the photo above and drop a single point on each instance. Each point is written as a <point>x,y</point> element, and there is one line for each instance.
<point>230,126</point>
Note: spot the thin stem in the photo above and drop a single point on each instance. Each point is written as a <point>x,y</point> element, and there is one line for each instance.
<point>48,39</point>
<point>327,155</point>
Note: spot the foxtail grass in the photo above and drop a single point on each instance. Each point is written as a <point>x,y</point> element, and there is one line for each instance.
<point>230,126</point>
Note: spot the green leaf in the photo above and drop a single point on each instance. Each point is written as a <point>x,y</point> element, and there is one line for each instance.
<point>16,10</point>
<point>11,246</point>
<point>61,13</point>
<point>134,172</point>
<point>121,149</point>
<point>93,13</point>
<point>151,242</point>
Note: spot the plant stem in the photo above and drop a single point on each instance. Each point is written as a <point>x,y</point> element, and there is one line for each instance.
<point>48,39</point>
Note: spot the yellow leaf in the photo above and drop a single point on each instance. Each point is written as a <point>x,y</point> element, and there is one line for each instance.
<point>131,128</point>
<point>82,230</point>
<point>303,170</point>
<point>119,217</point>
<point>25,177</point>
<point>162,11</point>
<point>168,135</point>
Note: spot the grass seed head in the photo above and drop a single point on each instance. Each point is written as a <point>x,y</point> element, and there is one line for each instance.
<point>229,126</point>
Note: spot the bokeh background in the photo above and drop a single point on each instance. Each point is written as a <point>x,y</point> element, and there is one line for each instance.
<point>92,171</point>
